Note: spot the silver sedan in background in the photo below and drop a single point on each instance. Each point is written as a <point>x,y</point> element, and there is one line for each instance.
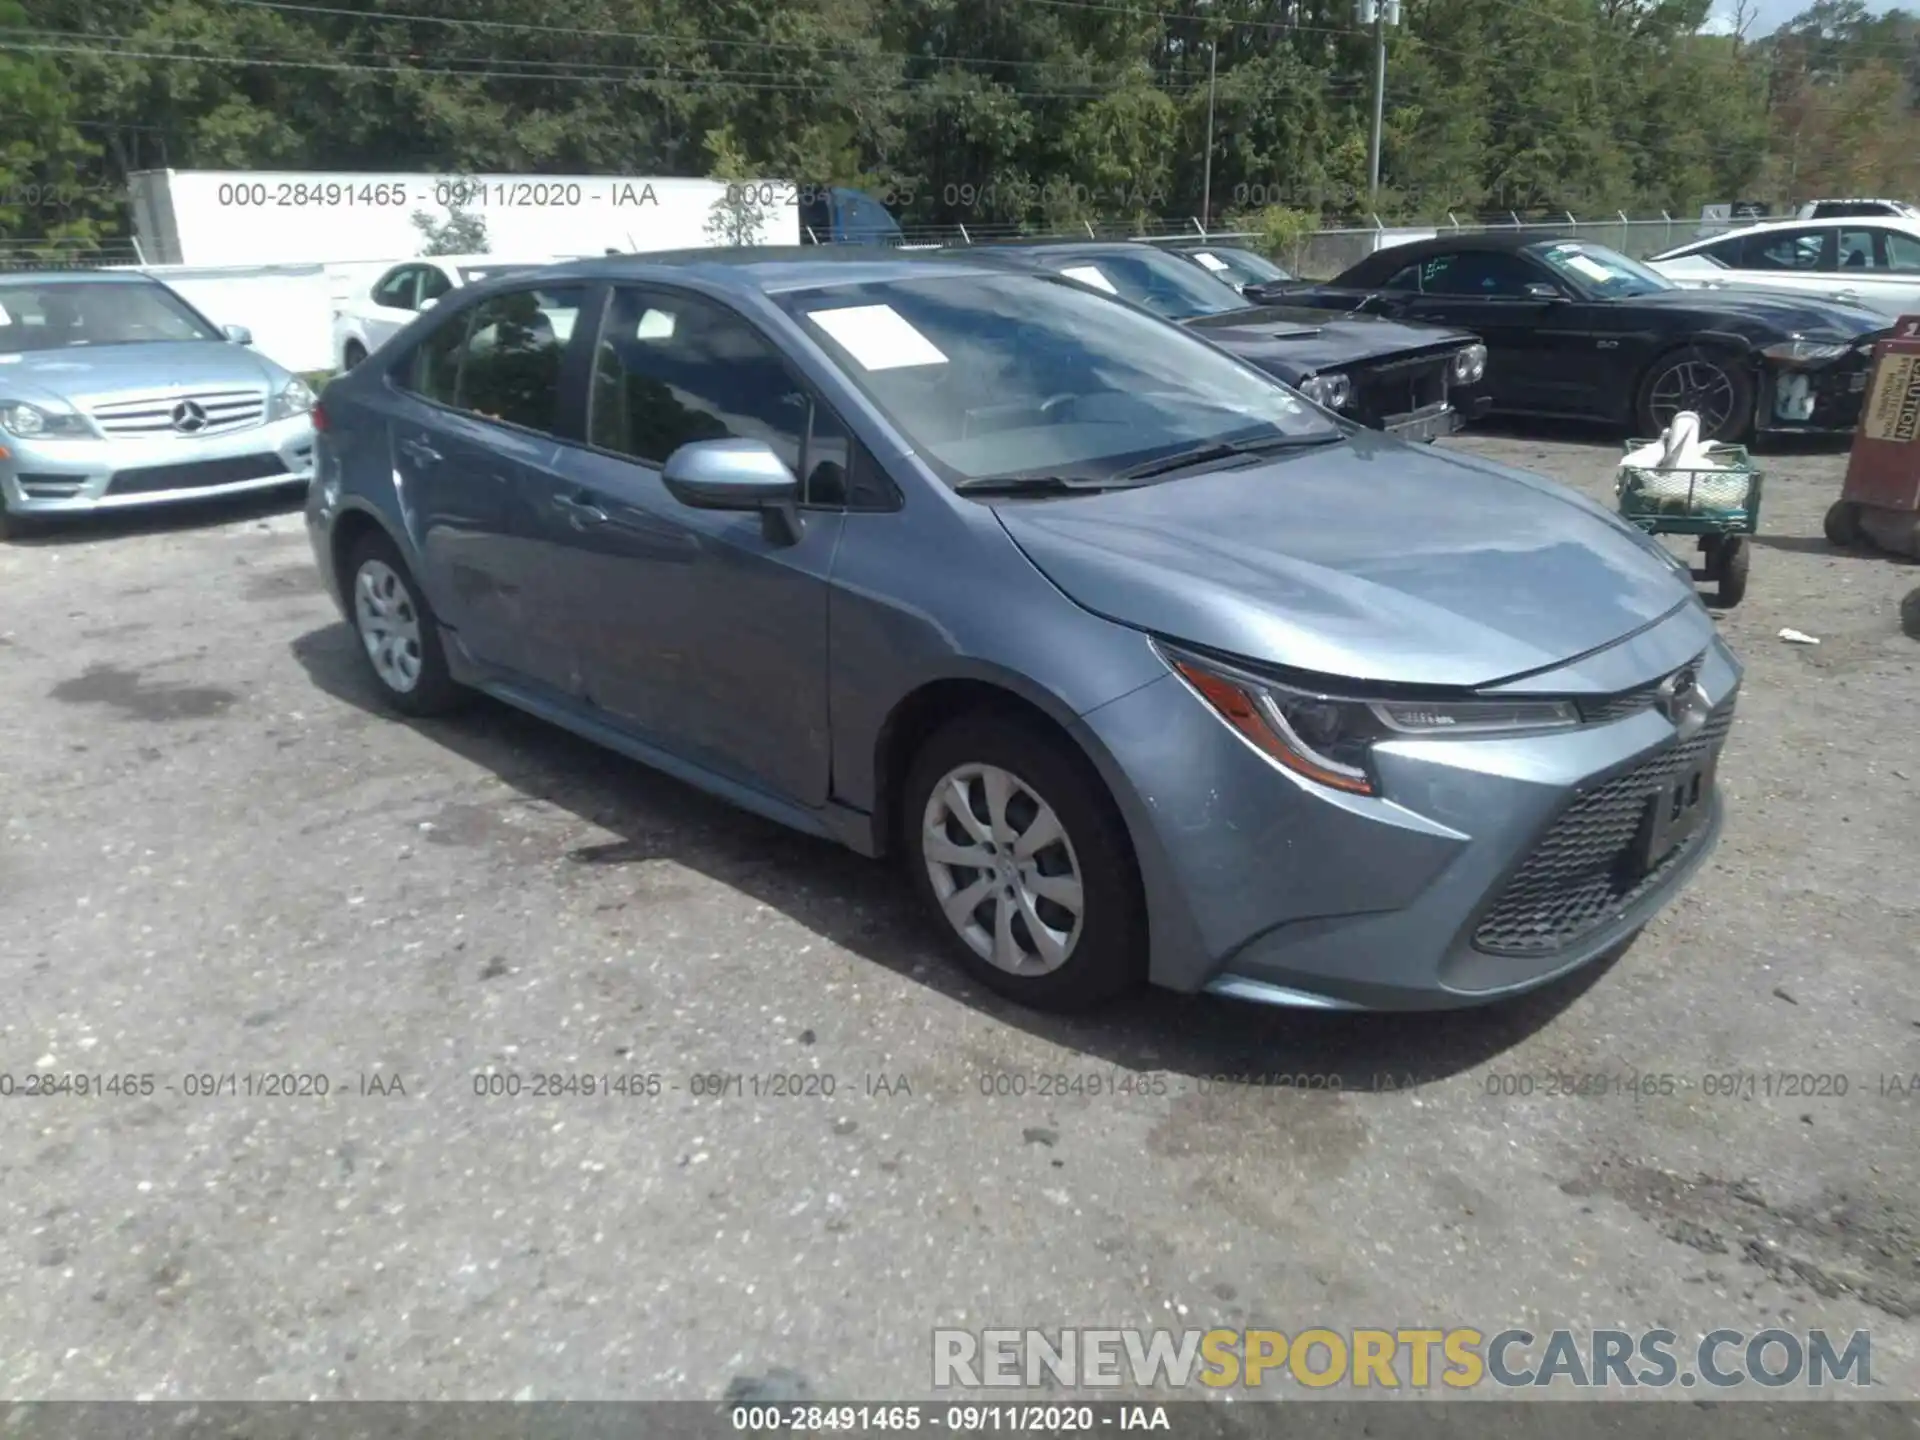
<point>115,392</point>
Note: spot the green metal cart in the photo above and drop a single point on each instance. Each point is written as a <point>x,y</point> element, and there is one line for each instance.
<point>1721,507</point>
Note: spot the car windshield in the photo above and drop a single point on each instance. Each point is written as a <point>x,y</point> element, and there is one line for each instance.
<point>1016,375</point>
<point>69,313</point>
<point>1239,267</point>
<point>1164,284</point>
<point>1596,270</point>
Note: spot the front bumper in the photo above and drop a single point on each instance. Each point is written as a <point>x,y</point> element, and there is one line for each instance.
<point>1427,424</point>
<point>1263,886</point>
<point>1813,399</point>
<point>66,477</point>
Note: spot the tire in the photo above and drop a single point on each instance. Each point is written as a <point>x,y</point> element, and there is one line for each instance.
<point>1910,614</point>
<point>379,587</point>
<point>1737,398</point>
<point>1730,565</point>
<point>352,355</point>
<point>1105,945</point>
<point>1842,524</point>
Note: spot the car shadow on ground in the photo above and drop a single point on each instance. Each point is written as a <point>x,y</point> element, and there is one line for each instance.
<point>866,907</point>
<point>99,526</point>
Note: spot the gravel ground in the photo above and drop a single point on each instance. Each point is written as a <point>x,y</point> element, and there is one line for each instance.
<point>218,859</point>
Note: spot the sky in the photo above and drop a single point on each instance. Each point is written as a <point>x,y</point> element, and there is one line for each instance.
<point>1769,15</point>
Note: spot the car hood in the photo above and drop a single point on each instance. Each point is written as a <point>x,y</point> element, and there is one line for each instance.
<point>1808,316</point>
<point>1308,340</point>
<point>96,374</point>
<point>1370,560</point>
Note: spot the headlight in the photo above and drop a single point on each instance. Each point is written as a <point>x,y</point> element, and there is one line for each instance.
<point>1332,391</point>
<point>296,398</point>
<point>30,422</point>
<point>1470,364</point>
<point>1329,737</point>
<point>1804,350</point>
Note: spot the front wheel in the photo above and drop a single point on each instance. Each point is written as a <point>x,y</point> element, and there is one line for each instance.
<point>399,637</point>
<point>1711,384</point>
<point>1022,860</point>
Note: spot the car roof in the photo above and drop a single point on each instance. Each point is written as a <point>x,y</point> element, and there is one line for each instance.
<point>76,277</point>
<point>769,269</point>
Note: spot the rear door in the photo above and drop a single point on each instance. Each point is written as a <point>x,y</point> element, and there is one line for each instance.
<point>474,436</point>
<point>697,631</point>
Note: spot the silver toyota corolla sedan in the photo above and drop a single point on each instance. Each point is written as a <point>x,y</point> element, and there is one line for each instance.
<point>1146,666</point>
<point>114,392</point>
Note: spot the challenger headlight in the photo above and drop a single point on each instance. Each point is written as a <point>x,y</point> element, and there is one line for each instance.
<point>1470,365</point>
<point>1333,391</point>
<point>35,422</point>
<point>294,398</point>
<point>1800,350</point>
<point>1329,737</point>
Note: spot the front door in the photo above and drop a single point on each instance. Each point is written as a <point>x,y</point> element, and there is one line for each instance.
<point>1485,291</point>
<point>698,632</point>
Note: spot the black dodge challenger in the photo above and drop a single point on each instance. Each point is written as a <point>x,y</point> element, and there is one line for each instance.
<point>1416,381</point>
<point>1579,331</point>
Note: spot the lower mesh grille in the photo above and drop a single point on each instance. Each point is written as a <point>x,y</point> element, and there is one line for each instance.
<point>1580,874</point>
<point>195,474</point>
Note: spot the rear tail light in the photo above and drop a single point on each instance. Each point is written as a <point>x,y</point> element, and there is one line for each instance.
<point>319,416</point>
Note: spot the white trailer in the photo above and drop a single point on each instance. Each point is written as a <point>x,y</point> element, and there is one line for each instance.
<point>256,217</point>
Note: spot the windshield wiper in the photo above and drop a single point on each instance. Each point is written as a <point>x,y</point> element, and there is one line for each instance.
<point>1221,450</point>
<point>1029,484</point>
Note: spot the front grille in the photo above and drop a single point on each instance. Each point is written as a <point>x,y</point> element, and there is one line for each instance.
<point>195,474</point>
<point>153,414</point>
<point>1605,709</point>
<point>1395,387</point>
<point>37,486</point>
<point>1580,875</point>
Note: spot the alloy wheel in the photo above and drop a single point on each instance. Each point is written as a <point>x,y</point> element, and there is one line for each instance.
<point>1003,870</point>
<point>1697,385</point>
<point>389,623</point>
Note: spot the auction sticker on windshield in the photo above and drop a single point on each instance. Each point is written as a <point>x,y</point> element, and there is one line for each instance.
<point>1585,264</point>
<point>878,337</point>
<point>1212,262</point>
<point>1090,275</point>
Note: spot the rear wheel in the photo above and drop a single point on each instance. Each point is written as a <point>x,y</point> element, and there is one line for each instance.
<point>1910,614</point>
<point>1710,383</point>
<point>1022,860</point>
<point>399,637</point>
<point>1842,524</point>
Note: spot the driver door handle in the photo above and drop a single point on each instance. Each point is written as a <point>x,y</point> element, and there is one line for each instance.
<point>419,451</point>
<point>581,511</point>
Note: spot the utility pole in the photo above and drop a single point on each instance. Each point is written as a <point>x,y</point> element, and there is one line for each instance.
<point>1213,70</point>
<point>1380,14</point>
<point>1206,181</point>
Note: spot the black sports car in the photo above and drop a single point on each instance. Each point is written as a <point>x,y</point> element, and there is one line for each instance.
<point>1577,330</point>
<point>1416,381</point>
<point>1234,264</point>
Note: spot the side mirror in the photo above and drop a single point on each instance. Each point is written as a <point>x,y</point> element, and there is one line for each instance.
<point>238,334</point>
<point>737,475</point>
<point>1539,290</point>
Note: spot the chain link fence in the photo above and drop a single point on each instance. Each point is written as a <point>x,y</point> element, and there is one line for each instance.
<point>1318,255</point>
